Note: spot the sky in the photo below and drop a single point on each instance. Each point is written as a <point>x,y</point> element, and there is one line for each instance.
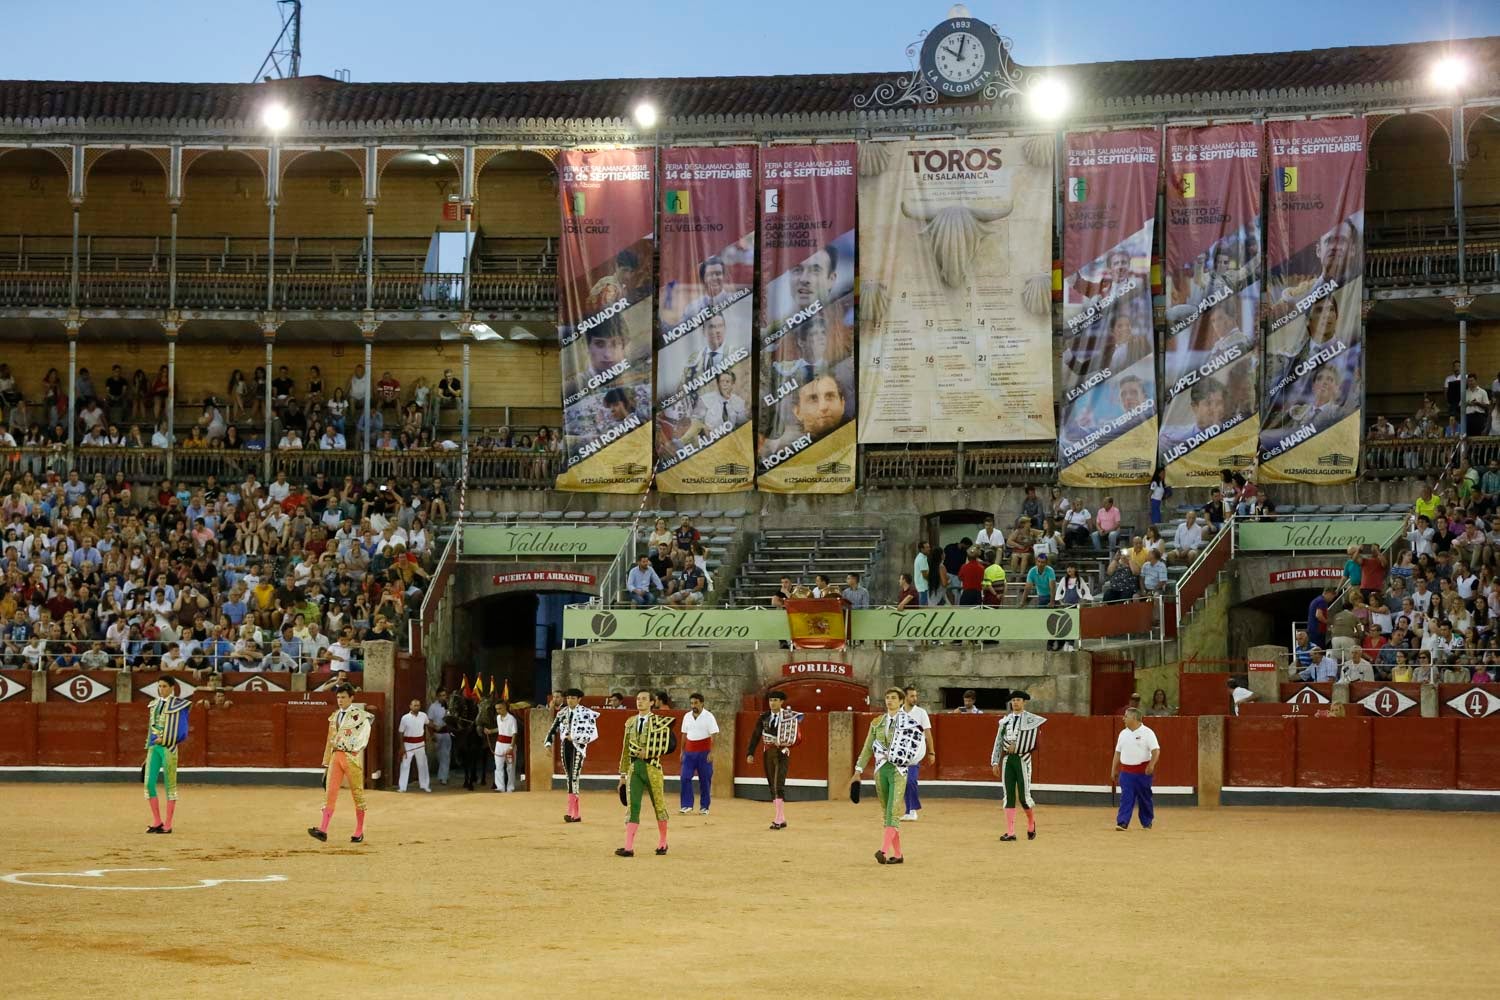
<point>506,40</point>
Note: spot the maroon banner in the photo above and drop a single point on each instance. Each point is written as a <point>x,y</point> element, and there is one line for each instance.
<point>1108,433</point>
<point>1212,286</point>
<point>704,441</point>
<point>542,576</point>
<point>606,291</point>
<point>1314,386</point>
<point>806,391</point>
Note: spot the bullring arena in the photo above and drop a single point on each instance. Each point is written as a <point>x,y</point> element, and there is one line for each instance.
<point>982,528</point>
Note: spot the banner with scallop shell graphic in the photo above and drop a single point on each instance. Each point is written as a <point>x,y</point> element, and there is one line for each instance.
<point>955,326</point>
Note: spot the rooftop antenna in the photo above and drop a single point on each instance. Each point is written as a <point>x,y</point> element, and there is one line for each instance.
<point>284,61</point>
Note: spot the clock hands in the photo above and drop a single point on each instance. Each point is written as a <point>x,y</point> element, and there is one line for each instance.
<point>958,54</point>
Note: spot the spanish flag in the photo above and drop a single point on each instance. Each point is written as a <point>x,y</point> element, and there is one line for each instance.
<point>468,689</point>
<point>817,623</point>
<point>504,691</point>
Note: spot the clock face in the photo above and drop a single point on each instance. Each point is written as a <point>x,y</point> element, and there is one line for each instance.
<point>959,57</point>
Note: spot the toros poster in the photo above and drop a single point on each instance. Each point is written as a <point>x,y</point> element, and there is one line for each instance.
<point>606,290</point>
<point>1210,353</point>
<point>1314,386</point>
<point>704,439</point>
<point>805,438</point>
<point>1108,366</point>
<point>955,294</point>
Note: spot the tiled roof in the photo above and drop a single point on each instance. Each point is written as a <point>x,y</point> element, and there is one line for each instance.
<point>322,100</point>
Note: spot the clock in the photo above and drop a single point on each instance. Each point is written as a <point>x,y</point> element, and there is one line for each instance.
<point>959,57</point>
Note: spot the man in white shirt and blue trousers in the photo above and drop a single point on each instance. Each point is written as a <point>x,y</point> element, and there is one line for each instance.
<point>698,730</point>
<point>1136,754</point>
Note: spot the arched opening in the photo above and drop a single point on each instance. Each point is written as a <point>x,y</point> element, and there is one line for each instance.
<point>1270,618</point>
<point>1482,194</point>
<point>320,215</point>
<point>515,373</point>
<point>36,218</point>
<point>1409,190</point>
<point>125,219</point>
<point>509,639</point>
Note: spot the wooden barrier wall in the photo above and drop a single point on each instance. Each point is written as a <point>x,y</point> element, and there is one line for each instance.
<point>1071,749</point>
<point>1364,752</point>
<point>285,732</point>
<point>809,759</point>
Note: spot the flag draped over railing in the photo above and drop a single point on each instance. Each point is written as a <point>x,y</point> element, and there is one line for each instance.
<point>817,623</point>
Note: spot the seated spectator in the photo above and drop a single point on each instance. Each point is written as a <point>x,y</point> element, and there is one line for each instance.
<point>989,536</point>
<point>660,535</point>
<point>1041,581</point>
<point>686,535</point>
<point>1120,582</point>
<point>1078,526</point>
<point>1021,541</point>
<point>1106,526</point>
<point>1189,539</point>
<point>1153,574</point>
<point>1321,667</point>
<point>692,590</point>
<point>643,583</point>
<point>1357,667</point>
<point>1159,706</point>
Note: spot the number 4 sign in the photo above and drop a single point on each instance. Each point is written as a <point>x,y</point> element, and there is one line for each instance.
<point>1387,702</point>
<point>1476,703</point>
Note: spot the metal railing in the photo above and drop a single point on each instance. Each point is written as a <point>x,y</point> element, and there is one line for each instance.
<point>1433,264</point>
<point>146,654</point>
<point>1203,571</point>
<point>504,467</point>
<point>966,465</point>
<point>136,463</point>
<point>437,587</point>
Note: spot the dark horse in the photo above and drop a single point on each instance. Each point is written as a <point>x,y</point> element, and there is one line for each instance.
<point>468,744</point>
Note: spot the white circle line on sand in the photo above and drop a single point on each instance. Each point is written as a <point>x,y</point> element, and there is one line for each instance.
<point>24,878</point>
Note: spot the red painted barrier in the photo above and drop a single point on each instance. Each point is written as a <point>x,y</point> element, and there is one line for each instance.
<point>84,686</point>
<point>15,685</point>
<point>17,734</point>
<point>1478,753</point>
<point>1389,700</point>
<point>1071,749</point>
<point>809,760</point>
<point>1259,752</point>
<point>1202,693</point>
<point>1110,691</point>
<point>1414,753</point>
<point>604,753</point>
<point>1332,753</point>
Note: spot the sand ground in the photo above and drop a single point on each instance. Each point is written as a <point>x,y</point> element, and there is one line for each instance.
<point>469,894</point>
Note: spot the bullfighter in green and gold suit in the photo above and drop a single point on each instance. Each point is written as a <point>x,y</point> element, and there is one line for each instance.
<point>647,738</point>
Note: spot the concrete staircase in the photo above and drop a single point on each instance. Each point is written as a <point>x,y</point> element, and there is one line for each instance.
<point>802,553</point>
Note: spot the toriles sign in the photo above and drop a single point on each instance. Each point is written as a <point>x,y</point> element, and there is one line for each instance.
<point>817,668</point>
<point>544,541</point>
<point>1328,536</point>
<point>542,576</point>
<point>950,624</point>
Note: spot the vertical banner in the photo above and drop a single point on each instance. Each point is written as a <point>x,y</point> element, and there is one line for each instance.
<point>956,293</point>
<point>1109,355</point>
<point>704,442</point>
<point>1315,278</point>
<point>805,432</point>
<point>606,290</point>
<point>1210,356</point>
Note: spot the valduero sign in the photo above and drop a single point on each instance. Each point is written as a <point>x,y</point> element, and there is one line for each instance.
<point>753,624</point>
<point>688,625</point>
<point>544,541</point>
<point>952,624</point>
<point>1327,536</point>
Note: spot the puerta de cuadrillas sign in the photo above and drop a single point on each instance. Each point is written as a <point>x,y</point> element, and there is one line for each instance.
<point>1275,536</point>
<point>544,541</point>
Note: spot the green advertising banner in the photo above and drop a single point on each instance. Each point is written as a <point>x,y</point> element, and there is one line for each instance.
<point>1322,536</point>
<point>544,541</point>
<point>678,625</point>
<point>923,624</point>
<point>952,624</point>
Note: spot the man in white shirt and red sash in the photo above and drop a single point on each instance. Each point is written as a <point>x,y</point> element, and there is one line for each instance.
<point>506,729</point>
<point>414,726</point>
<point>698,730</point>
<point>1136,754</point>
